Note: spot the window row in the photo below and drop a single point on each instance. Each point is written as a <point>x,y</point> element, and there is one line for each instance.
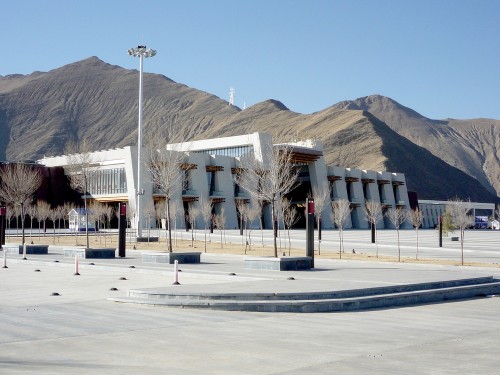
<point>237,151</point>
<point>108,181</point>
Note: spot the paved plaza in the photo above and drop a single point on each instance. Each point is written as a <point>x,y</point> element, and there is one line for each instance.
<point>80,331</point>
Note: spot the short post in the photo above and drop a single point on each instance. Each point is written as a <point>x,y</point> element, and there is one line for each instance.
<point>3,214</point>
<point>122,227</point>
<point>310,229</point>
<point>5,258</point>
<point>440,231</point>
<point>24,251</point>
<point>373,231</point>
<point>176,271</point>
<point>76,265</point>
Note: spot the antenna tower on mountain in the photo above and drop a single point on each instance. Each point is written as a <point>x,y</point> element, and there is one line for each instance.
<point>231,96</point>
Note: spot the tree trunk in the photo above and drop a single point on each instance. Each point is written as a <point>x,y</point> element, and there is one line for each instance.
<point>86,220</point>
<point>399,249</point>
<point>22,222</point>
<point>169,227</point>
<point>274,229</point>
<point>462,232</point>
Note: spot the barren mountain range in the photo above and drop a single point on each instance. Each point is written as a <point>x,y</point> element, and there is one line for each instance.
<point>41,112</point>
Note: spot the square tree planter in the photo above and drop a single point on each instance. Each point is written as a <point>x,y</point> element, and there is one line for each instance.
<point>30,249</point>
<point>278,264</point>
<point>84,253</point>
<point>170,258</point>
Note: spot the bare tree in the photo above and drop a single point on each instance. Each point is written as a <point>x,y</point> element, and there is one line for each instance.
<point>373,211</point>
<point>43,211</point>
<point>150,213</point>
<point>341,209</point>
<point>206,213</point>
<point>130,216</point>
<point>96,214</point>
<point>220,222</point>
<point>194,212</point>
<point>241,207</point>
<point>252,213</point>
<point>161,214</point>
<point>17,214</point>
<point>175,209</point>
<point>269,178</point>
<point>416,217</point>
<point>82,171</point>
<point>53,215</point>
<point>31,211</point>
<point>321,200</point>
<point>290,218</point>
<point>18,183</point>
<point>66,208</point>
<point>164,164</point>
<point>447,224</point>
<point>60,216</point>
<point>397,216</point>
<point>11,212</point>
<point>108,212</point>
<point>459,211</point>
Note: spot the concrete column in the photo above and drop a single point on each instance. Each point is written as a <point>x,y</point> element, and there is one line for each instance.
<point>357,198</point>
<point>225,184</point>
<point>318,175</point>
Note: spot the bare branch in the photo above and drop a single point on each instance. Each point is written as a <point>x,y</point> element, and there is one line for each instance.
<point>269,178</point>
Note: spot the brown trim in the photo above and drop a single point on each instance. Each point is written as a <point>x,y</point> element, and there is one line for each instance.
<point>237,170</point>
<point>214,168</point>
<point>334,178</point>
<point>111,199</point>
<point>217,200</point>
<point>187,166</point>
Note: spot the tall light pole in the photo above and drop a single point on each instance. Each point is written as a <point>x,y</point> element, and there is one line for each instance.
<point>141,52</point>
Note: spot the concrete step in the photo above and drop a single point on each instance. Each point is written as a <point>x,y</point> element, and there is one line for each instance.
<point>370,298</point>
<point>176,293</point>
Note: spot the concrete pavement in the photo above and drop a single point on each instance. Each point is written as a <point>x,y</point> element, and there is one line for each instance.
<point>81,332</point>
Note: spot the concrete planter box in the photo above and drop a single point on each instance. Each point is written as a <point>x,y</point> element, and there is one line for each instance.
<point>85,253</point>
<point>170,258</point>
<point>146,239</point>
<point>30,249</point>
<point>279,264</point>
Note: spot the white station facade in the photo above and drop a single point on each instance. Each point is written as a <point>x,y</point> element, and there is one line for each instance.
<point>209,174</point>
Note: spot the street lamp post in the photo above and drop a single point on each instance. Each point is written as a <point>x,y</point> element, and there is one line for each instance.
<point>141,52</point>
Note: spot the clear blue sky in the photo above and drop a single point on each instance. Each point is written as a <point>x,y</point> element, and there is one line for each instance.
<point>438,57</point>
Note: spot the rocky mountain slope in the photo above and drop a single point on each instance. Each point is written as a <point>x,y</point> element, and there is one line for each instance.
<point>472,146</point>
<point>40,113</point>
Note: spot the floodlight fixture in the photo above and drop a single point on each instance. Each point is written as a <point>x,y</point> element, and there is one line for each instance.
<point>141,51</point>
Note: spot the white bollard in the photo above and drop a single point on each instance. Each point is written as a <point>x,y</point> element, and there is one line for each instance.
<point>5,258</point>
<point>176,271</point>
<point>24,251</point>
<point>76,264</point>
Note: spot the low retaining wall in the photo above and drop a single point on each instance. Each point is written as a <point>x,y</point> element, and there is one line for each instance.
<point>170,258</point>
<point>30,249</point>
<point>279,264</point>
<point>90,253</point>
